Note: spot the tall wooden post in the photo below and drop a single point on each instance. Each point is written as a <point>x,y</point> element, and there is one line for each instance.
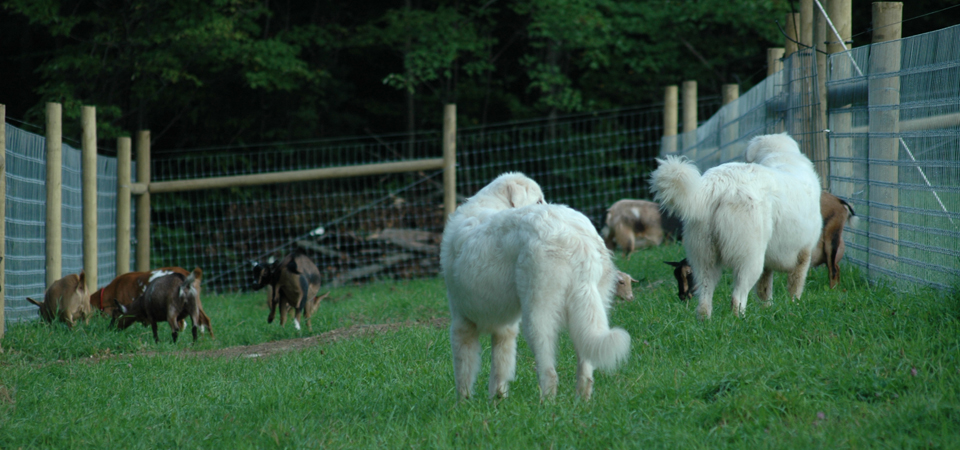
<point>88,175</point>
<point>670,119</point>
<point>731,122</point>
<point>449,160</point>
<point>54,195</point>
<point>806,24</point>
<point>123,205</point>
<point>774,60</point>
<point>841,119</point>
<point>793,34</point>
<point>883,101</point>
<point>143,202</point>
<point>3,219</point>
<point>823,146</point>
<point>689,94</point>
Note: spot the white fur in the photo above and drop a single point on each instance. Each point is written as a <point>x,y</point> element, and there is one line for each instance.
<point>505,257</point>
<point>753,217</point>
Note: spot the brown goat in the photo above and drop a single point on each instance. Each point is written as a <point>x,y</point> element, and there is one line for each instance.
<point>829,250</point>
<point>684,275</point>
<point>66,299</point>
<point>633,224</point>
<point>124,289</point>
<point>294,283</point>
<point>625,286</point>
<point>172,297</point>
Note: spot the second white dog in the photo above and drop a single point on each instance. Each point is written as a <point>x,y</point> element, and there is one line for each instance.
<point>543,263</point>
<point>753,218</point>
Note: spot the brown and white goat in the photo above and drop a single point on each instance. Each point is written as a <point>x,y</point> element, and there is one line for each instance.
<point>829,250</point>
<point>124,289</point>
<point>625,286</point>
<point>633,224</point>
<point>171,298</point>
<point>66,299</point>
<point>294,283</point>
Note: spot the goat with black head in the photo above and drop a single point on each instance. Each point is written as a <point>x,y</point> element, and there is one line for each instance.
<point>294,283</point>
<point>168,298</point>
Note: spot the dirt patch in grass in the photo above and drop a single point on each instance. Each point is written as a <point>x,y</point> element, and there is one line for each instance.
<point>274,347</point>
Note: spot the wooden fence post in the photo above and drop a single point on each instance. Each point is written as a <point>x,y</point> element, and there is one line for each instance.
<point>883,103</point>
<point>123,205</point>
<point>143,202</point>
<point>54,185</point>
<point>774,60</point>
<point>823,145</point>
<point>3,219</point>
<point>88,175</point>
<point>689,119</point>
<point>840,13</point>
<point>730,132</point>
<point>449,160</point>
<point>791,27</point>
<point>670,119</point>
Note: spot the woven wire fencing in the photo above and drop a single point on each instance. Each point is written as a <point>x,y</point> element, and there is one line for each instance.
<point>386,226</point>
<point>895,155</point>
<point>892,148</point>
<point>25,252</point>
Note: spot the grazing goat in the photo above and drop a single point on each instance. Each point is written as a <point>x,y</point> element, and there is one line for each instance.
<point>171,297</point>
<point>625,286</point>
<point>829,250</point>
<point>684,275</point>
<point>124,289</point>
<point>294,283</point>
<point>633,224</point>
<point>66,300</point>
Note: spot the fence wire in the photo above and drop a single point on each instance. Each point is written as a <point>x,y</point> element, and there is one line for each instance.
<point>25,252</point>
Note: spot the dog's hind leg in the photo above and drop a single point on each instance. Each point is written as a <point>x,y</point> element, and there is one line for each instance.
<point>798,276</point>
<point>465,341</point>
<point>744,278</point>
<point>540,328</point>
<point>503,361</point>
<point>709,277</point>
<point>584,378</point>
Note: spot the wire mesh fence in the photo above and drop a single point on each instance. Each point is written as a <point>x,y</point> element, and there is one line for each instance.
<point>894,146</point>
<point>25,252</point>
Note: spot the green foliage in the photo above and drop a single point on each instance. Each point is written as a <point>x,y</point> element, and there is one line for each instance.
<point>857,366</point>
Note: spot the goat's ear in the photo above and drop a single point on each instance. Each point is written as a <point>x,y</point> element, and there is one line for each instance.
<point>292,266</point>
<point>674,263</point>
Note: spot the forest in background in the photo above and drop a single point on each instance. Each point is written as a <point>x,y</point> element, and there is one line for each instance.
<point>201,73</point>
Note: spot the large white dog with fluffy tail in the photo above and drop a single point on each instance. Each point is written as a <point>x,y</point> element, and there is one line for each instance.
<point>754,217</point>
<point>506,255</point>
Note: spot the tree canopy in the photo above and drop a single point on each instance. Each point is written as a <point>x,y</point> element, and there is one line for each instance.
<point>221,72</point>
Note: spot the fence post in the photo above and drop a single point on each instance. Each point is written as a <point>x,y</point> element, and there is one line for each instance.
<point>449,160</point>
<point>793,22</point>
<point>689,119</point>
<point>88,117</point>
<point>54,185</point>
<point>774,60</point>
<point>823,146</point>
<point>143,202</point>
<point>731,122</point>
<point>123,205</point>
<point>883,104</point>
<point>841,119</point>
<point>670,116</point>
<point>3,219</point>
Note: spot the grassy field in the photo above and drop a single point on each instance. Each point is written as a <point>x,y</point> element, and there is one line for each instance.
<point>858,366</point>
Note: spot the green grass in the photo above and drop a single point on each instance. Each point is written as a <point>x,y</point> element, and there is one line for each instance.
<point>858,366</point>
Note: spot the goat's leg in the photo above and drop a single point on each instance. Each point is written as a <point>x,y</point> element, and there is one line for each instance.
<point>156,338</point>
<point>302,306</point>
<point>503,359</point>
<point>273,299</point>
<point>765,286</point>
<point>465,342</point>
<point>584,378</point>
<point>798,276</point>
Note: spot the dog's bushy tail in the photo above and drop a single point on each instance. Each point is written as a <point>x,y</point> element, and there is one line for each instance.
<point>676,184</point>
<point>591,334</point>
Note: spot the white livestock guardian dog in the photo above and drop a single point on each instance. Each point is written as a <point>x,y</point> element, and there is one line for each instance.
<point>505,256</point>
<point>753,217</point>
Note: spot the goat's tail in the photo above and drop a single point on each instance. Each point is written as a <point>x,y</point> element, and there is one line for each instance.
<point>591,334</point>
<point>852,217</point>
<point>677,185</point>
